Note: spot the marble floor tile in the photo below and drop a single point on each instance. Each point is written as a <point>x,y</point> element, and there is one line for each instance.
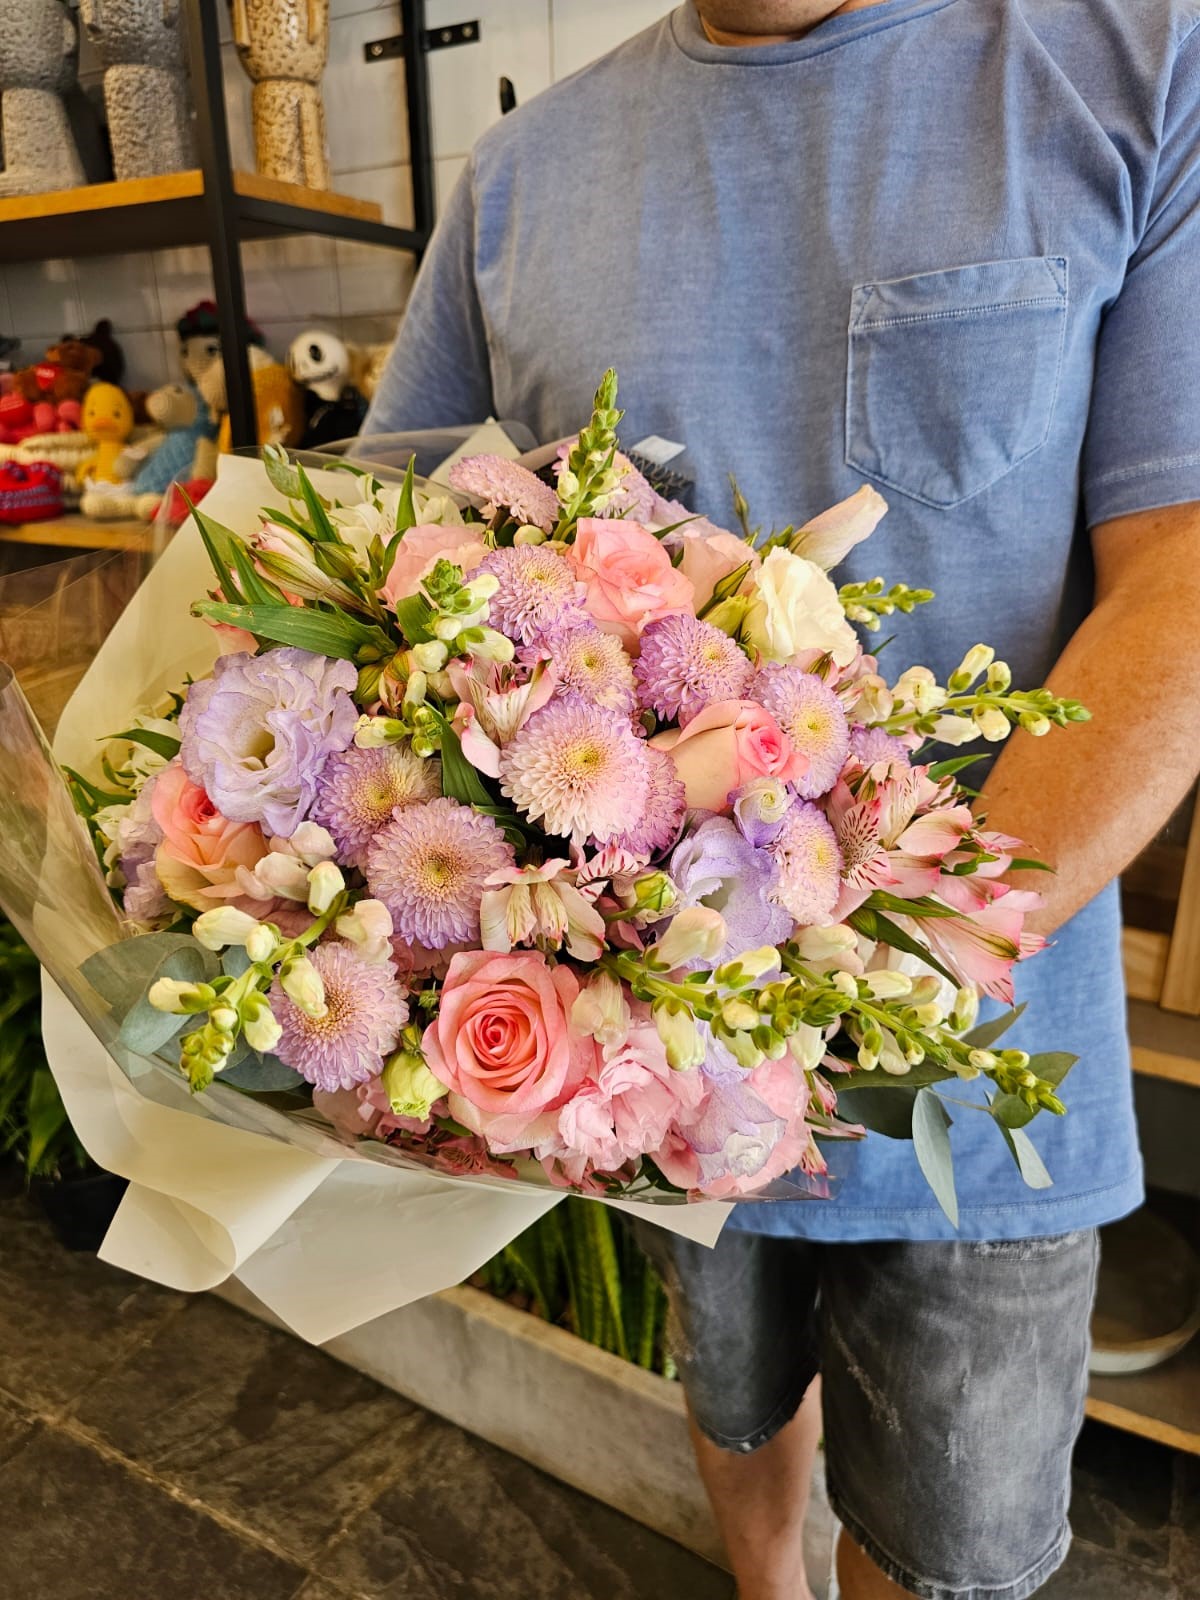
<point>1185,1537</point>
<point>16,1428</point>
<point>65,1318</point>
<point>256,1424</point>
<point>1091,1574</point>
<point>468,1522</point>
<point>78,1526</point>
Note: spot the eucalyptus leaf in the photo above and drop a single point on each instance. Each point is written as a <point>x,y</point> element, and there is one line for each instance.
<point>235,961</point>
<point>879,1108</point>
<point>1010,1111</point>
<point>123,972</point>
<point>1029,1163</point>
<point>985,1035</point>
<point>931,1140</point>
<point>145,1030</point>
<point>1053,1065</point>
<point>255,1074</point>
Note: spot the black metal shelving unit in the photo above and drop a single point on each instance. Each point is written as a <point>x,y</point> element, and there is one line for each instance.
<point>220,208</point>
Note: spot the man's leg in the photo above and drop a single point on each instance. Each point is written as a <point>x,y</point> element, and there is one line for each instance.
<point>759,1502</point>
<point>954,1376</point>
<point>745,1339</point>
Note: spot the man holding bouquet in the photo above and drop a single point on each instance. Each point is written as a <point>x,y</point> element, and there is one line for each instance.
<point>950,248</point>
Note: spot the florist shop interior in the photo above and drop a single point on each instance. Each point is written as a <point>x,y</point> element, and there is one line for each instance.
<point>211,216</point>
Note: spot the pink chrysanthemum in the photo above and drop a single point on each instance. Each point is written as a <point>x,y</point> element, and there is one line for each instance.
<point>365,1009</point>
<point>359,789</point>
<point>537,589</point>
<point>429,866</point>
<point>869,745</point>
<point>498,482</point>
<point>587,662</point>
<point>662,815</point>
<point>810,865</point>
<point>809,713</point>
<point>577,769</point>
<point>685,664</point>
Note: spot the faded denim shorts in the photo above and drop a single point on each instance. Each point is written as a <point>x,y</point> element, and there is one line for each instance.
<point>953,1382</point>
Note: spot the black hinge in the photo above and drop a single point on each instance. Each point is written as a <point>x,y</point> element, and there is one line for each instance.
<point>431,39</point>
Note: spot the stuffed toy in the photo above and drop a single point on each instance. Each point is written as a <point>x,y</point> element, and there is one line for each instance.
<point>278,403</point>
<point>167,456</point>
<point>29,492</point>
<point>111,366</point>
<point>200,358</point>
<point>21,419</point>
<point>63,374</point>
<point>108,423</point>
<point>367,362</point>
<point>333,407</point>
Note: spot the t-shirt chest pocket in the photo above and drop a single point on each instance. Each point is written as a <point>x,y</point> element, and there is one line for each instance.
<point>952,376</point>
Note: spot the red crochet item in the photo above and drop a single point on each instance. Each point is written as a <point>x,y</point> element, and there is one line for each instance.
<point>29,493</point>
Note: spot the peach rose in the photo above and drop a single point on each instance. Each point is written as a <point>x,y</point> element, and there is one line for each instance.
<point>710,554</point>
<point>202,851</point>
<point>422,547</point>
<point>724,746</point>
<point>503,1045</point>
<point>628,577</point>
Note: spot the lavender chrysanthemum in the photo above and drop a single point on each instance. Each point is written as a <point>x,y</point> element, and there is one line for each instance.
<point>587,662</point>
<point>498,482</point>
<point>685,665</point>
<point>429,865</point>
<point>257,734</point>
<point>870,745</point>
<point>365,1009</point>
<point>663,812</point>
<point>537,589</point>
<point>360,789</point>
<point>806,852</point>
<point>810,714</point>
<point>716,867</point>
<point>577,769</point>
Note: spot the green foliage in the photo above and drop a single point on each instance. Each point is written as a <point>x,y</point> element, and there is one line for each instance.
<point>33,1123</point>
<point>578,1267</point>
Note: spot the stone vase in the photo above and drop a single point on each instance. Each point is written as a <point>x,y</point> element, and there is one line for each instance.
<point>39,60</point>
<point>141,46</point>
<point>283,46</point>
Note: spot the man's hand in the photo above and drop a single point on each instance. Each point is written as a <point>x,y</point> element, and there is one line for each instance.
<point>1088,799</point>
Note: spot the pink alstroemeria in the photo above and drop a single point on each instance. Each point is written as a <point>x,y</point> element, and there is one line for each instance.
<point>540,906</point>
<point>495,699</point>
<point>982,949</point>
<point>895,834</point>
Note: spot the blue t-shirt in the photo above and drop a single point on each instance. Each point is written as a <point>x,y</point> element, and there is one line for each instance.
<point>951,247</point>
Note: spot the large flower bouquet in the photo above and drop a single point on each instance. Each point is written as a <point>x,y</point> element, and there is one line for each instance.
<point>546,831</point>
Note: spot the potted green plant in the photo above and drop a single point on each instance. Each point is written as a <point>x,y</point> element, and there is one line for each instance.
<point>78,1197</point>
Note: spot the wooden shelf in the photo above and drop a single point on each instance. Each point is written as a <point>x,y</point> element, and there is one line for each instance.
<point>1163,1404</point>
<point>83,533</point>
<point>156,213</point>
<point>1145,955</point>
<point>1164,1045</point>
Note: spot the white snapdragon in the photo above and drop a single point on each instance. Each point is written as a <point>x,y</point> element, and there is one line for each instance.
<point>325,883</point>
<point>225,925</point>
<point>368,927</point>
<point>680,1036</point>
<point>697,933</point>
<point>302,984</point>
<point>992,723</point>
<point>601,1009</point>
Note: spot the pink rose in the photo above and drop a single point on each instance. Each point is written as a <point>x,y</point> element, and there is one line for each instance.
<point>628,577</point>
<point>724,746</point>
<point>201,852</point>
<point>710,554</point>
<point>422,547</point>
<point>624,1109</point>
<point>503,1045</point>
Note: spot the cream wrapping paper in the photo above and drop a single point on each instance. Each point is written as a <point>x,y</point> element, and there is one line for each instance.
<point>325,1234</point>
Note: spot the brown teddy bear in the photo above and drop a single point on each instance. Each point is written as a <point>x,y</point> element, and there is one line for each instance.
<point>63,373</point>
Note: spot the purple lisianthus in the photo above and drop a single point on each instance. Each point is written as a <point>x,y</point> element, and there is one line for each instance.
<point>716,867</point>
<point>138,838</point>
<point>257,734</point>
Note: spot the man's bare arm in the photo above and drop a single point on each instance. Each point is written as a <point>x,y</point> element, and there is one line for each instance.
<point>1088,798</point>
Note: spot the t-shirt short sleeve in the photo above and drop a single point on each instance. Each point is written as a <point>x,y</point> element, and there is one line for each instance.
<point>1143,443</point>
<point>438,374</point>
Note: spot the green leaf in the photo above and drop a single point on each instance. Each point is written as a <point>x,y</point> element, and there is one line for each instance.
<point>97,797</point>
<point>145,1030</point>
<point>931,1140</point>
<point>985,1035</point>
<point>1030,1165</point>
<point>218,540</point>
<point>873,924</point>
<point>947,769</point>
<point>255,588</point>
<point>918,1077</point>
<point>325,633</point>
<point>1029,864</point>
<point>45,1117</point>
<point>1053,1065</point>
<point>925,908</point>
<point>414,615</point>
<point>884,1110</point>
<point>1010,1111</point>
<point>123,972</point>
<point>161,743</point>
<point>406,510</point>
<point>460,780</point>
<point>321,526</point>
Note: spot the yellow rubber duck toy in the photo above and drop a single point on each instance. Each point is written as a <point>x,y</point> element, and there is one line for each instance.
<point>108,421</point>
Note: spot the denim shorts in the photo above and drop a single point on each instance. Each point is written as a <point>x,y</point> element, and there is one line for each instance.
<point>953,1382</point>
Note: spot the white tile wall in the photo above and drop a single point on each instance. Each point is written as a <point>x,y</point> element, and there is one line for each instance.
<point>292,284</point>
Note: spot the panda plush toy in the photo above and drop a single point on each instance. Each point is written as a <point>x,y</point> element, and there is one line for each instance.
<point>333,408</point>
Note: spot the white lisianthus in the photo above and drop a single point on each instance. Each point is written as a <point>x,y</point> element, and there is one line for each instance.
<point>794,606</point>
